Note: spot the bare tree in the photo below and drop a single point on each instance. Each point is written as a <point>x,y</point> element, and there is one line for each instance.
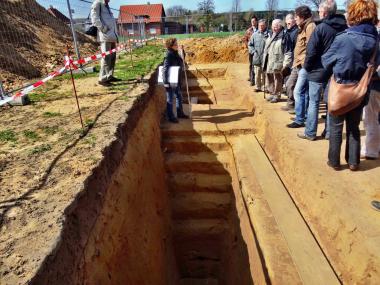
<point>312,3</point>
<point>206,7</point>
<point>272,8</point>
<point>236,8</point>
<point>176,11</point>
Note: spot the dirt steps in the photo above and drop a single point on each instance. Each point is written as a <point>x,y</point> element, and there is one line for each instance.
<point>195,144</point>
<point>203,162</point>
<point>201,200</point>
<point>199,182</point>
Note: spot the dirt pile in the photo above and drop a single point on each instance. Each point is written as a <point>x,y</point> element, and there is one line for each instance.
<point>213,50</point>
<point>32,41</point>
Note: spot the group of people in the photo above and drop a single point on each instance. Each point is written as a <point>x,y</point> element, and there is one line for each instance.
<point>300,60</point>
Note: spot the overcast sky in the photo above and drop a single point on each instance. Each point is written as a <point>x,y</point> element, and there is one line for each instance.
<point>220,5</point>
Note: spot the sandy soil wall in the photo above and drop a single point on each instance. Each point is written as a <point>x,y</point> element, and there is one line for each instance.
<point>117,231</point>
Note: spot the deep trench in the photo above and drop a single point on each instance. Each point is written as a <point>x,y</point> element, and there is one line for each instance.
<point>171,212</point>
<point>208,243</point>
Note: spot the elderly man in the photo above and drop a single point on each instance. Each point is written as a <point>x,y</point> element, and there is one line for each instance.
<point>290,40</point>
<point>273,61</point>
<point>247,37</point>
<point>256,47</point>
<point>306,27</point>
<point>320,41</point>
<point>102,18</point>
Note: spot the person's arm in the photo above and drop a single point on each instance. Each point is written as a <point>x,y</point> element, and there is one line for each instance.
<point>312,50</point>
<point>165,71</point>
<point>96,17</point>
<point>251,45</point>
<point>330,57</point>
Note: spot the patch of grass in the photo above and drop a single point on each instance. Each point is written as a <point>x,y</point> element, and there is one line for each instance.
<point>50,130</point>
<point>90,139</point>
<point>51,114</point>
<point>40,149</point>
<point>37,96</point>
<point>8,136</point>
<point>31,135</point>
<point>89,123</point>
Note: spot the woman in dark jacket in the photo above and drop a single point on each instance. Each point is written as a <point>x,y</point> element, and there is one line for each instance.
<point>173,59</point>
<point>348,57</point>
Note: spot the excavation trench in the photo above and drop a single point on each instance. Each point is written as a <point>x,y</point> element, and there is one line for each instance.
<point>183,203</point>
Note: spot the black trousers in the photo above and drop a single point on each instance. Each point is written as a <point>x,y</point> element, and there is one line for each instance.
<point>352,154</point>
<point>251,70</point>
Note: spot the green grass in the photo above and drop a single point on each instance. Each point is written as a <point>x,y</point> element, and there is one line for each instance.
<point>40,149</point>
<point>8,136</point>
<point>51,114</point>
<point>50,130</point>
<point>31,135</point>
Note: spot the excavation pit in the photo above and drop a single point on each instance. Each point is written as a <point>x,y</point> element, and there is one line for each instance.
<point>197,202</point>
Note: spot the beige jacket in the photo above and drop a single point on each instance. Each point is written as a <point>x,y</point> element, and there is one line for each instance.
<point>273,53</point>
<point>303,37</point>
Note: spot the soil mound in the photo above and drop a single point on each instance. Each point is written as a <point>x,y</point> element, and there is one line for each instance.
<point>32,41</point>
<point>214,50</point>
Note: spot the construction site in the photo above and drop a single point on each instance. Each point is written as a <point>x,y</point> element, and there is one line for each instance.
<point>229,196</point>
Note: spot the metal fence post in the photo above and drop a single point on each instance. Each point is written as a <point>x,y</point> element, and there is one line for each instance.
<point>2,91</point>
<point>73,30</point>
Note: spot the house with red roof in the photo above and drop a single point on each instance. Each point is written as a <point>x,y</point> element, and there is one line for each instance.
<point>148,19</point>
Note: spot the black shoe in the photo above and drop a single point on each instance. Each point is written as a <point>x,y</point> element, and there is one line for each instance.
<point>105,83</point>
<point>353,167</point>
<point>252,83</point>
<point>375,205</point>
<point>295,125</point>
<point>182,116</point>
<point>114,79</point>
<point>336,167</point>
<point>173,120</point>
<point>305,137</point>
<point>286,108</point>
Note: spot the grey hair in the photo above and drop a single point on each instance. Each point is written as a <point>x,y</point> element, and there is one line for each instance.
<point>263,21</point>
<point>277,22</point>
<point>329,6</point>
<point>290,16</point>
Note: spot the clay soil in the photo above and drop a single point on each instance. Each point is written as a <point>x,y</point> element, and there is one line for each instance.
<point>45,156</point>
<point>214,50</point>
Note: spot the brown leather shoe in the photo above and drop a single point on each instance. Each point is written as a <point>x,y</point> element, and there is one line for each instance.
<point>337,168</point>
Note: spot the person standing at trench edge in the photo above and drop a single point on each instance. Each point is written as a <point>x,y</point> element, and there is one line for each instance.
<point>102,18</point>
<point>173,59</point>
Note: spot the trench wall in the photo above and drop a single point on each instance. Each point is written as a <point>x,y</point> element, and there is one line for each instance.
<point>117,231</point>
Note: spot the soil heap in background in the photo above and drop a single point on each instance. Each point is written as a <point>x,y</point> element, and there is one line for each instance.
<point>33,42</point>
<point>214,50</point>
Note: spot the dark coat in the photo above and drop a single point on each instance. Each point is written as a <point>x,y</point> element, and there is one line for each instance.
<point>320,41</point>
<point>290,39</point>
<point>172,59</point>
<point>350,53</point>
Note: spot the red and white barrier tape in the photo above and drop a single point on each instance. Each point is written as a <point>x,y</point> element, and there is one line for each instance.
<point>68,63</point>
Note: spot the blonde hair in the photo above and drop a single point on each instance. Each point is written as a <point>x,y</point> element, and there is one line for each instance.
<point>361,11</point>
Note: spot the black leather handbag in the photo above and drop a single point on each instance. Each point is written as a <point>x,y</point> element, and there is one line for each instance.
<point>90,29</point>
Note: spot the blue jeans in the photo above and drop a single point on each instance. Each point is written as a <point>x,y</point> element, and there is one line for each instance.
<point>315,91</point>
<point>301,97</point>
<point>170,93</point>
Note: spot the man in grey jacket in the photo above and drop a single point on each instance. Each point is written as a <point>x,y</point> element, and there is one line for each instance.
<point>256,47</point>
<point>102,18</point>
